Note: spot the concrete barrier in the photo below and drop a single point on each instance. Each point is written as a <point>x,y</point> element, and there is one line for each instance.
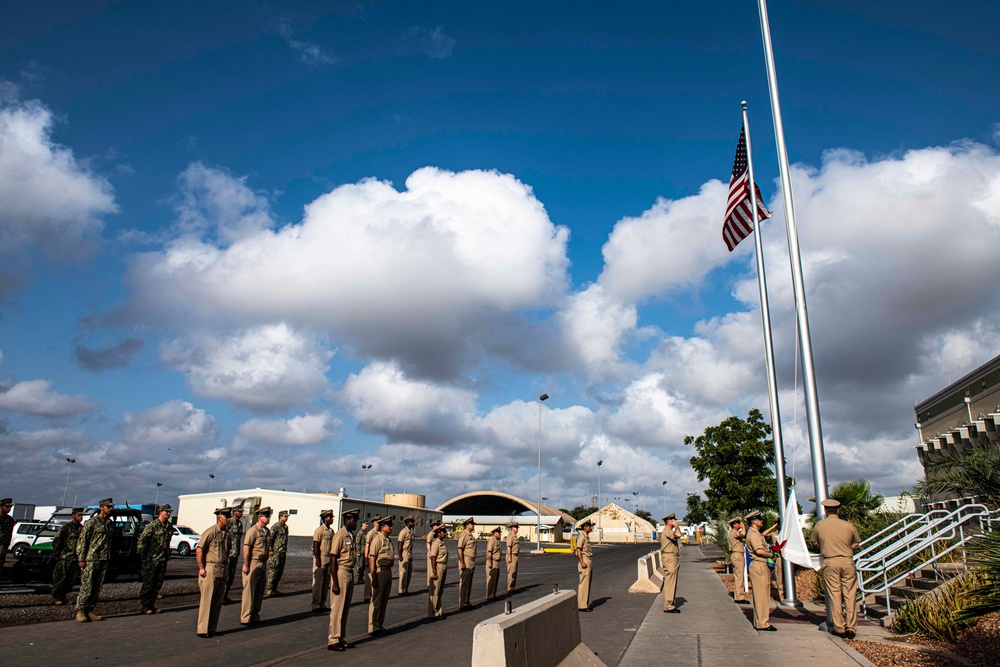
<point>543,633</point>
<point>650,579</point>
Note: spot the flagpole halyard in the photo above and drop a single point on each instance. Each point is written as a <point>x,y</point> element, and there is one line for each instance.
<point>772,381</point>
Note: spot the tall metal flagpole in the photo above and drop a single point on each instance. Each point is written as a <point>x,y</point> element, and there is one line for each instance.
<point>798,286</point>
<point>772,381</point>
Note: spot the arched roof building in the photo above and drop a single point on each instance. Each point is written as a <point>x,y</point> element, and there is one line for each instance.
<point>496,508</point>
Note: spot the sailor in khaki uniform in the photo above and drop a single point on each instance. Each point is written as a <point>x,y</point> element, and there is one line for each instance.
<point>321,561</point>
<point>837,539</point>
<point>212,556</point>
<point>369,536</point>
<point>670,556</point>
<point>492,564</point>
<point>737,551</point>
<point>431,534</point>
<point>342,559</point>
<point>404,543</point>
<point>760,574</point>
<point>439,573</point>
<point>256,545</point>
<point>466,562</point>
<point>513,547</point>
<point>585,554</point>
<point>380,559</point>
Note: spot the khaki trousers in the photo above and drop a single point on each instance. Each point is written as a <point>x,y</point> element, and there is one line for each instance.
<point>368,585</point>
<point>435,597</point>
<point>321,583</point>
<point>253,592</point>
<point>760,580</point>
<point>671,564</point>
<point>583,590</point>
<point>841,581</point>
<point>512,574</point>
<point>405,570</point>
<point>213,590</point>
<point>340,605</point>
<point>380,598</point>
<point>779,578</point>
<point>465,587</point>
<point>737,559</point>
<point>492,577</point>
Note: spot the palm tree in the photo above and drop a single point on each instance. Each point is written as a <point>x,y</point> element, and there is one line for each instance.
<point>856,499</point>
<point>974,472</point>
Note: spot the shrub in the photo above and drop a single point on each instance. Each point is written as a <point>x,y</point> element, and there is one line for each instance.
<point>938,613</point>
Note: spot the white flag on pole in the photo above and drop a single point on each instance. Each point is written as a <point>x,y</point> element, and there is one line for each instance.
<point>794,549</point>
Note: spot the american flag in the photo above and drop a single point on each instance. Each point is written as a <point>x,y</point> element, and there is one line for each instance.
<point>739,216</point>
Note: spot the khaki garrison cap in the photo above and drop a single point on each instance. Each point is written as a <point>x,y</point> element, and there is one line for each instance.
<point>588,522</point>
<point>225,511</point>
<point>408,519</point>
<point>830,503</point>
<point>264,511</point>
<point>735,520</point>
<point>754,515</point>
<point>468,521</point>
<point>107,502</point>
<point>387,521</point>
<point>513,524</point>
<point>496,530</point>
<point>355,512</point>
<point>668,517</point>
<point>441,529</point>
<point>326,513</point>
<point>376,518</point>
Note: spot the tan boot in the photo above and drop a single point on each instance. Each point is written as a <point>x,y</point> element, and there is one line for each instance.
<point>59,602</point>
<point>268,594</point>
<point>94,617</point>
<point>82,617</point>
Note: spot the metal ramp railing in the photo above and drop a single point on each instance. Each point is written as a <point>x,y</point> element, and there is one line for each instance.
<point>892,555</point>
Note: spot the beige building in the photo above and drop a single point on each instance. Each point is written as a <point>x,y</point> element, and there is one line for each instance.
<point>616,525</point>
<point>495,508</point>
<point>197,509</point>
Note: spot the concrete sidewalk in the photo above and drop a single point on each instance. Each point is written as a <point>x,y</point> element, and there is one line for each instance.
<point>712,630</point>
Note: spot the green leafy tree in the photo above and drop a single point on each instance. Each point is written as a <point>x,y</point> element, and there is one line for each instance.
<point>580,511</point>
<point>857,501</point>
<point>736,457</point>
<point>644,514</point>
<point>974,472</point>
<point>696,512</point>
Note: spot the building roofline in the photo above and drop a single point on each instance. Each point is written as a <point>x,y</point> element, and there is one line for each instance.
<point>961,383</point>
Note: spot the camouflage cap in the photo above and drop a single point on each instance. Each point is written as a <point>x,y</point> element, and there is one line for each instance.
<point>77,510</point>
<point>238,508</point>
<point>7,502</point>
<point>107,502</point>
<point>164,508</point>
<point>283,513</point>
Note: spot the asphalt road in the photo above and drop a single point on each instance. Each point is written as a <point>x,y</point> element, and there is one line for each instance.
<point>292,635</point>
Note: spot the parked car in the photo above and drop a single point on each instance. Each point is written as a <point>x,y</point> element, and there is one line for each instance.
<point>24,536</point>
<point>38,562</point>
<point>184,540</point>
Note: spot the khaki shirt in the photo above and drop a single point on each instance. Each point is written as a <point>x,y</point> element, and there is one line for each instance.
<point>756,541</point>
<point>493,553</point>
<point>513,546</point>
<point>342,548</point>
<point>381,549</point>
<point>467,543</point>
<point>583,545</point>
<point>669,545</point>
<point>835,537</point>
<point>736,545</point>
<point>214,544</point>
<point>257,539</point>
<point>405,542</point>
<point>323,535</point>
<point>368,542</point>
<point>439,552</point>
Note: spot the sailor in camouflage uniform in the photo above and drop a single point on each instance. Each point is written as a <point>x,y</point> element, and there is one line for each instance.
<point>6,528</point>
<point>93,549</point>
<point>276,559</point>
<point>154,552</point>
<point>236,532</point>
<point>64,550</point>
<point>359,566</point>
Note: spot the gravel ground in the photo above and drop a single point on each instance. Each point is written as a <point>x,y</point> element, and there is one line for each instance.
<point>887,655</point>
<point>121,597</point>
<point>805,583</point>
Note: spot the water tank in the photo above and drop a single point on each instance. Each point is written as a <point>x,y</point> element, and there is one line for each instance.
<point>405,499</point>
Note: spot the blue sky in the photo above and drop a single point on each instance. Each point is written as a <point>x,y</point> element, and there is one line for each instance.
<point>159,158</point>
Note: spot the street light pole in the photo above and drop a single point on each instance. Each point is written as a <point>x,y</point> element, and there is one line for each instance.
<point>538,526</point>
<point>157,501</point>
<point>211,483</point>
<point>66,488</point>
<point>600,532</point>
<point>364,489</point>
<point>664,497</point>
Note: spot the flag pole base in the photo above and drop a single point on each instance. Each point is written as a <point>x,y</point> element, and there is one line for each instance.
<point>790,604</point>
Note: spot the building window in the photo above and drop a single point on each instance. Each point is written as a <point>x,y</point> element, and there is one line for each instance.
<point>290,512</point>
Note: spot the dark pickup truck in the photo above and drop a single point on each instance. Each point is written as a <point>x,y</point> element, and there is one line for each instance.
<point>38,563</point>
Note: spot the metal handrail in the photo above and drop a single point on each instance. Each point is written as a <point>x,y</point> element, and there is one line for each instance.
<point>894,532</point>
<point>911,537</point>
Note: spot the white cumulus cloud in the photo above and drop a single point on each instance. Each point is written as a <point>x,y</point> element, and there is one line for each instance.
<point>310,429</point>
<point>172,424</point>
<point>36,397</point>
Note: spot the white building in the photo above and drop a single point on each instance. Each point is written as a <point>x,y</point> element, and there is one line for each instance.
<point>197,510</point>
<point>616,525</point>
